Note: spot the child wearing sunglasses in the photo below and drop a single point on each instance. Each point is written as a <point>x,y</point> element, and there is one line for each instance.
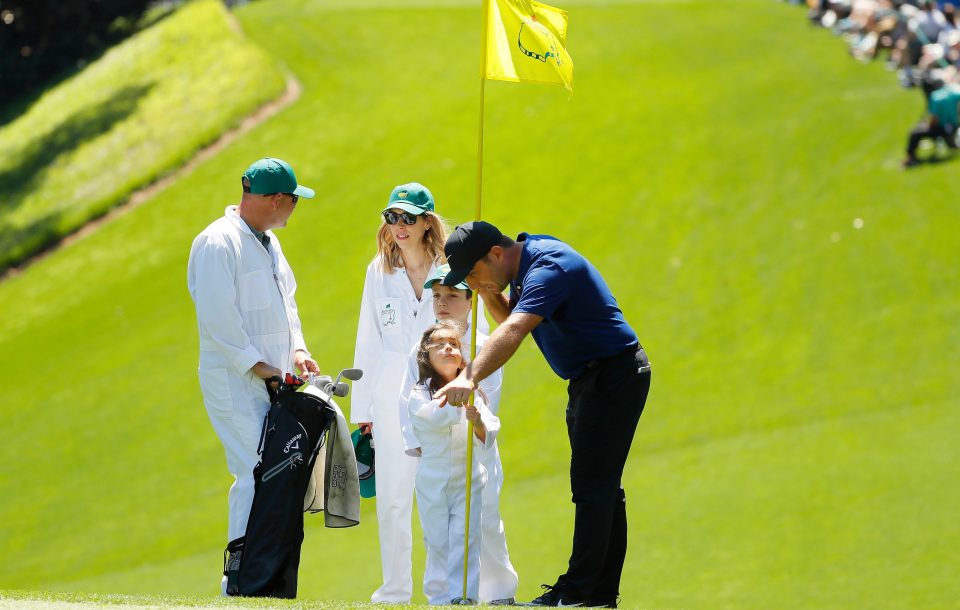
<point>441,433</point>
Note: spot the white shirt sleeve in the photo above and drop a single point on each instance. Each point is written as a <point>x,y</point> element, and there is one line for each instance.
<point>427,412</point>
<point>212,285</point>
<point>492,387</point>
<point>411,446</point>
<point>490,421</point>
<point>493,384</point>
<point>369,348</point>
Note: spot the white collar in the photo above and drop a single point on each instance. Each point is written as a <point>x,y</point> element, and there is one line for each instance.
<point>232,212</point>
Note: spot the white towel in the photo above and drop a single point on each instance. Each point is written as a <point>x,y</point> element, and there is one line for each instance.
<point>335,472</point>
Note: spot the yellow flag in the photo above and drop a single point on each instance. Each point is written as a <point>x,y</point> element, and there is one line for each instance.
<point>526,42</point>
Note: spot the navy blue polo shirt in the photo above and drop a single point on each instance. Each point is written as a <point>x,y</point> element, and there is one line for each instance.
<point>581,319</point>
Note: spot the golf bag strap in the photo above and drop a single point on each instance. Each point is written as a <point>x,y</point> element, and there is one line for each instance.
<point>263,433</point>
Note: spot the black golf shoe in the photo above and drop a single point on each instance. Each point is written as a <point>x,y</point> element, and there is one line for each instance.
<point>601,603</point>
<point>556,597</point>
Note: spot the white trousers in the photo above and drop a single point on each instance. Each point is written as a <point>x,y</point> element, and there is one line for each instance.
<point>442,503</point>
<point>236,405</point>
<point>498,579</point>
<point>395,476</point>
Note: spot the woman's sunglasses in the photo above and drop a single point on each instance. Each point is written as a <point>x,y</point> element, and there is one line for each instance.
<point>393,218</point>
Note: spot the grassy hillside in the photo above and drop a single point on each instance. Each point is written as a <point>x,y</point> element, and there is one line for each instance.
<point>799,445</point>
<point>141,109</point>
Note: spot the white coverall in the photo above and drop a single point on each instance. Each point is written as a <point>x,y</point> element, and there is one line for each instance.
<point>391,320</point>
<point>442,495</point>
<point>246,313</point>
<point>498,578</point>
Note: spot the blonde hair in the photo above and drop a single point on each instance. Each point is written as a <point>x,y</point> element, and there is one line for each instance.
<point>425,369</point>
<point>433,240</point>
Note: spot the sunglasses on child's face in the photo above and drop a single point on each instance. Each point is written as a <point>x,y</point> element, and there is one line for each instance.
<point>393,218</point>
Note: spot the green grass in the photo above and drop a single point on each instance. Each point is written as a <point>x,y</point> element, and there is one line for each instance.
<point>36,600</point>
<point>799,445</point>
<point>140,110</point>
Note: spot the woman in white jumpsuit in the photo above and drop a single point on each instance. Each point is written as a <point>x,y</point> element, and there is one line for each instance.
<point>498,578</point>
<point>394,311</point>
<point>441,494</point>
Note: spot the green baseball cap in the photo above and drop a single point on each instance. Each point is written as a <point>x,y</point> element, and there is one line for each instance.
<point>437,276</point>
<point>268,176</point>
<point>363,448</point>
<point>412,197</point>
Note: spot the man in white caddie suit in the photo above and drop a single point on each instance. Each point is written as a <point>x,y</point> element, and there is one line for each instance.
<point>249,327</point>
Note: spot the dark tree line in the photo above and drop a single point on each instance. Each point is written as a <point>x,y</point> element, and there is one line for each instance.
<point>45,39</point>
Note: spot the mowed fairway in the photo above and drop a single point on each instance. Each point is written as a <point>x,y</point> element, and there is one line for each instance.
<point>799,448</point>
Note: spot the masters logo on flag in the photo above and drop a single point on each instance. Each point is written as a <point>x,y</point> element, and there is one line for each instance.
<point>525,41</point>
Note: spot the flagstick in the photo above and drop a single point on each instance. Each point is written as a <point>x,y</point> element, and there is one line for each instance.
<point>473,354</point>
<point>469,477</point>
<point>475,299</point>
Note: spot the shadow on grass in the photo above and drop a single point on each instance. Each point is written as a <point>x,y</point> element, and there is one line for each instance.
<point>937,159</point>
<point>19,104</point>
<point>17,243</point>
<point>85,124</point>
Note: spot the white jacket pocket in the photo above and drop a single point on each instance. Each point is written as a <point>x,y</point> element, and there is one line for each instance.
<point>253,290</point>
<point>215,386</point>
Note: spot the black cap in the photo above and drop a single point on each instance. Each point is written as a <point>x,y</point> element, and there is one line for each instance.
<point>467,244</point>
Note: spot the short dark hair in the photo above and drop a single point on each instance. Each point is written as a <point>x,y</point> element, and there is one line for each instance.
<point>505,242</point>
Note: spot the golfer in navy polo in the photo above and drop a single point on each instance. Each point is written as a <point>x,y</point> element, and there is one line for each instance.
<point>559,297</point>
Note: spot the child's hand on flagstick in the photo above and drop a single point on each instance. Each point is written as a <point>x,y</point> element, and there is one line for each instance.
<point>473,415</point>
<point>456,393</point>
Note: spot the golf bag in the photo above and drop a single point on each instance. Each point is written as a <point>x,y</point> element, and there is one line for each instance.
<point>264,562</point>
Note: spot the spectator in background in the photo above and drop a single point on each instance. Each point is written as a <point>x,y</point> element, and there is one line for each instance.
<point>924,26</point>
<point>949,13</point>
<point>924,44</point>
<point>940,124</point>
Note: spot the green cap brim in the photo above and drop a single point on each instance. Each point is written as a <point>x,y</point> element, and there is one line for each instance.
<point>302,191</point>
<point>437,276</point>
<point>429,284</point>
<point>406,207</point>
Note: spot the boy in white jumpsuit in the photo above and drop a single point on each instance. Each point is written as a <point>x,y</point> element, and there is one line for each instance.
<point>498,578</point>
<point>441,434</point>
<point>249,327</point>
